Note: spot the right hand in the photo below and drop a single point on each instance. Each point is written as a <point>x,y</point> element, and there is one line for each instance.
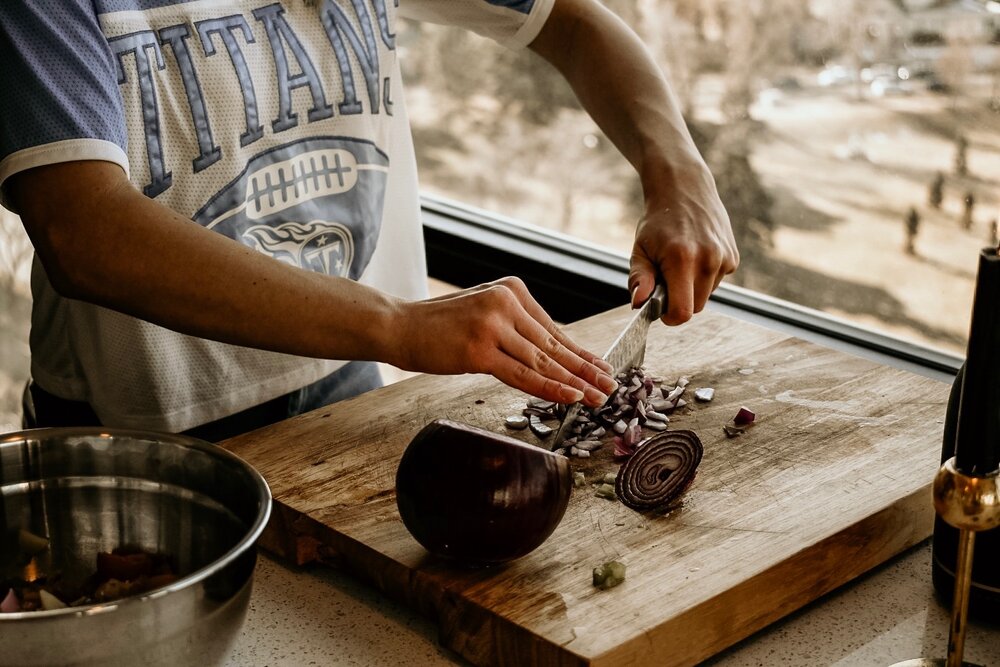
<point>498,328</point>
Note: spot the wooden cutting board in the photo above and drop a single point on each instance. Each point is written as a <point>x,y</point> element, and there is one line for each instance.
<point>833,479</point>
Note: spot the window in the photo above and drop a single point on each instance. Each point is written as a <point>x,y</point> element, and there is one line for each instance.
<point>855,144</point>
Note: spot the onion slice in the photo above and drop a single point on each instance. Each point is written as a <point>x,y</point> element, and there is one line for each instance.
<point>659,471</point>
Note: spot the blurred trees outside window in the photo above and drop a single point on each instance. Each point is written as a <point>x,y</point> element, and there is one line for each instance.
<point>825,123</point>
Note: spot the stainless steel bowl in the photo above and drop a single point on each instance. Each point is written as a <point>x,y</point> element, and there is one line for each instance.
<point>92,490</point>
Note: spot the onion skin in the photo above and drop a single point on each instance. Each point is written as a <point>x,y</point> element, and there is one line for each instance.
<point>477,497</point>
<point>647,482</point>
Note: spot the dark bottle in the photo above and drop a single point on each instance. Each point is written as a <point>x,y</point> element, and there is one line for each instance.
<point>984,593</point>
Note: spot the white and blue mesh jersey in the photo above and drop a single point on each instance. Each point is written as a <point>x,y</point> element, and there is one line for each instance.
<point>279,124</point>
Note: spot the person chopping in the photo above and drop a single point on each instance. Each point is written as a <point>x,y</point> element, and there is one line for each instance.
<point>223,203</point>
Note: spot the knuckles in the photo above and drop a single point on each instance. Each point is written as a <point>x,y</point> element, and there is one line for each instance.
<point>501,297</point>
<point>513,284</point>
<point>678,315</point>
<point>540,360</point>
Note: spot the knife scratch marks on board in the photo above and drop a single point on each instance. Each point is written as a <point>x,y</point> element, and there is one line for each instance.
<point>845,409</point>
<point>733,528</point>
<point>835,406</point>
<point>609,549</point>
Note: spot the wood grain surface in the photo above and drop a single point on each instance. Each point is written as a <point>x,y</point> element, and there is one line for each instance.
<point>833,479</point>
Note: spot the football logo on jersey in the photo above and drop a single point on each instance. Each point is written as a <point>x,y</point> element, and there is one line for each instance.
<point>326,247</point>
<point>315,203</point>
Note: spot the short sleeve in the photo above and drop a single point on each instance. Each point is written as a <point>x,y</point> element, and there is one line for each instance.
<point>513,23</point>
<point>59,97</point>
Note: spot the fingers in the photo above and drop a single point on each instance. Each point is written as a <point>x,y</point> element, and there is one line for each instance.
<point>641,278</point>
<point>679,276</point>
<point>538,314</point>
<point>708,272</point>
<point>691,267</point>
<point>542,355</point>
<point>541,372</point>
<point>718,281</point>
<point>546,354</point>
<point>509,371</point>
<point>499,329</point>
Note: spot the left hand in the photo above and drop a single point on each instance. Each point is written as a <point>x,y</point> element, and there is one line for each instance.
<point>685,239</point>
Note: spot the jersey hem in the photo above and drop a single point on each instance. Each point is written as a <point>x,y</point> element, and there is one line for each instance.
<point>191,416</point>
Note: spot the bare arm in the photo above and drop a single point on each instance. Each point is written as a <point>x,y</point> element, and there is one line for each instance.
<point>685,236</point>
<point>103,241</point>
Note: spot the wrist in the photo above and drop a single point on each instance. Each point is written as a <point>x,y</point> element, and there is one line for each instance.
<point>387,328</point>
<point>360,322</point>
<point>664,180</point>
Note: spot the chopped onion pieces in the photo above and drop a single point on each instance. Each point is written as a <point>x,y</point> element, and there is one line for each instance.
<point>744,417</point>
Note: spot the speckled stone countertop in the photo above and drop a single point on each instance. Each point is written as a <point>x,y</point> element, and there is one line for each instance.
<point>319,616</point>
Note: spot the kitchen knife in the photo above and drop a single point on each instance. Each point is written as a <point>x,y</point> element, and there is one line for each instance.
<point>628,351</point>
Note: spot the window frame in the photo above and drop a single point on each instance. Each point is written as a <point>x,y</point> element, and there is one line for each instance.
<point>574,279</point>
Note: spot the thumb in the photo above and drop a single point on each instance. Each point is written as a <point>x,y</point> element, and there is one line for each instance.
<point>641,279</point>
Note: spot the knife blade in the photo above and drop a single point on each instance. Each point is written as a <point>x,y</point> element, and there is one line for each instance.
<point>628,351</point>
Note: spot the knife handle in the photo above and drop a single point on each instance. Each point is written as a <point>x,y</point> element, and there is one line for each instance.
<point>657,302</point>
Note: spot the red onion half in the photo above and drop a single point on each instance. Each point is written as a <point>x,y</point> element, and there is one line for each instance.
<point>478,497</point>
<point>660,470</point>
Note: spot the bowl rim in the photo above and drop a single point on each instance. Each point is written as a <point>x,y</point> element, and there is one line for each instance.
<point>247,542</point>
